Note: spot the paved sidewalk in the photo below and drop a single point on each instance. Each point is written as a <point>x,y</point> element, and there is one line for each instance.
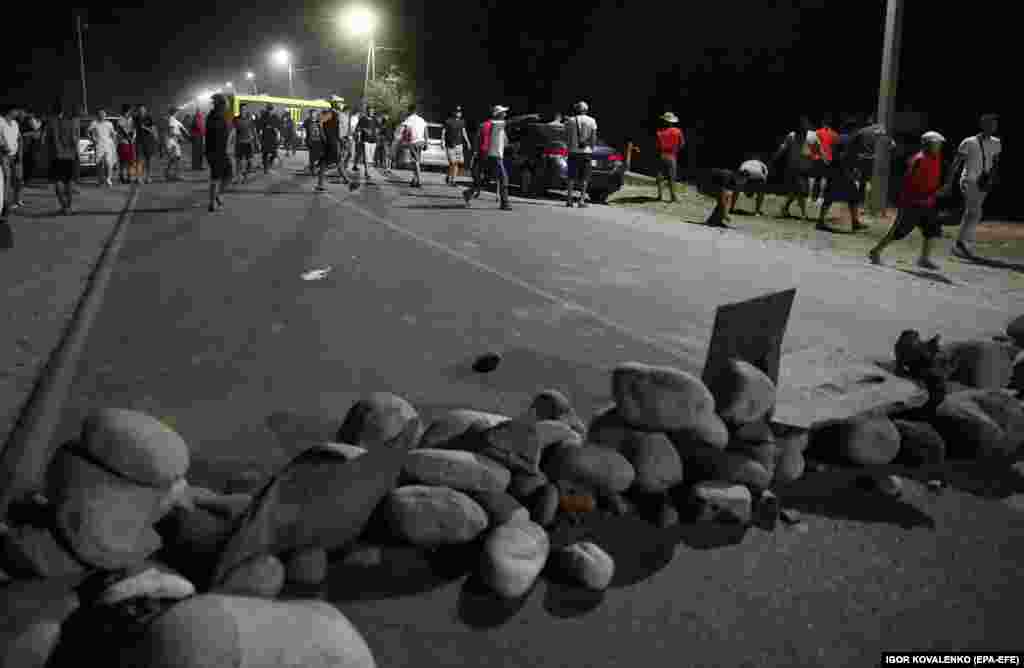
<point>44,275</point>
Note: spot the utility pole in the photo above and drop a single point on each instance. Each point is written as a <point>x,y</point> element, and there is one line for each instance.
<point>81,59</point>
<point>887,103</point>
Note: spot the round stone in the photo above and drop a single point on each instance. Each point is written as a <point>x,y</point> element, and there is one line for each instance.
<point>982,364</point>
<point>501,507</point>
<point>460,430</point>
<point>790,463</point>
<point>655,459</point>
<point>262,577</point>
<point>544,508</point>
<point>588,564</point>
<point>609,429</point>
<point>920,444</point>
<point>525,485</point>
<point>307,566</point>
<point>550,405</point>
<point>433,516</point>
<point>864,441</point>
<point>458,469</point>
<point>743,393</point>
<point>377,419</point>
<point>513,557</point>
<point>32,647</point>
<point>980,423</point>
<point>136,446</point>
<point>659,398</point>
<point>150,583</point>
<point>603,469</point>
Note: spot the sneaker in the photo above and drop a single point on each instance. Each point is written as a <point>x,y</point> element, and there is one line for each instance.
<point>926,263</point>
<point>320,189</point>
<point>211,208</point>
<point>822,227</point>
<point>874,256</point>
<point>467,195</point>
<point>505,206</point>
<point>568,203</point>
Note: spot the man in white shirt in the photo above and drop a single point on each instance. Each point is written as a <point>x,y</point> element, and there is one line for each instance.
<point>412,135</point>
<point>175,133</point>
<point>581,131</point>
<point>104,137</point>
<point>979,156</point>
<point>10,159</point>
<point>757,178</point>
<point>799,148</point>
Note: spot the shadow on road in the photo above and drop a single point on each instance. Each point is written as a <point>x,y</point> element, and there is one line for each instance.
<point>835,495</point>
<point>637,199</point>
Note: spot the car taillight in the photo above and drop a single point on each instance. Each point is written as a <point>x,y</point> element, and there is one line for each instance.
<point>615,157</point>
<point>556,152</point>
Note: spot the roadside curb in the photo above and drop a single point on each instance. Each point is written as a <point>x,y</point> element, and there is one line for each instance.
<point>26,451</point>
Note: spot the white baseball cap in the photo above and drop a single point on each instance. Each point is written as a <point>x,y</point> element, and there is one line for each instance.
<point>498,109</point>
<point>932,137</point>
<point>582,107</point>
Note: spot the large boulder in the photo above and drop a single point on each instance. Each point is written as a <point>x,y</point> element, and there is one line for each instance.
<point>516,444</point>
<point>756,440</point>
<point>982,364</point>
<point>32,647</point>
<point>135,446</point>
<point>980,423</point>
<point>920,444</point>
<point>603,469</point>
<point>458,469</point>
<point>433,516</point>
<point>213,631</point>
<point>460,429</point>
<point>655,459</point>
<point>660,398</point>
<point>863,440</point>
<point>262,576</point>
<point>723,501</point>
<point>376,420</point>
<point>514,555</point>
<point>743,393</point>
<point>307,566</point>
<point>587,563</point>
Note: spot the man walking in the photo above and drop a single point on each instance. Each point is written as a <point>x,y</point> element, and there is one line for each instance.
<point>799,149</point>
<point>176,133</point>
<point>582,136</point>
<point>11,150</point>
<point>979,157</point>
<point>245,140</point>
<point>314,140</point>
<point>104,137</point>
<point>331,126</point>
<point>366,131</point>
<point>61,139</point>
<point>413,136</point>
<point>495,151</point>
<point>827,138</point>
<point>198,137</point>
<point>916,204</point>
<point>669,141</point>
<point>483,143</point>
<point>722,185</point>
<point>455,138</point>
<point>219,139</point>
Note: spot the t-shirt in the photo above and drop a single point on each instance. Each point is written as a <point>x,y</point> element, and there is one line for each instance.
<point>755,170</point>
<point>582,133</point>
<point>971,150</point>
<point>922,180</point>
<point>313,130</point>
<point>62,137</point>
<point>418,128</point>
<point>367,129</point>
<point>218,134</point>
<point>453,129</point>
<point>484,141</point>
<point>245,128</point>
<point>800,154</point>
<point>175,130</point>
<point>496,148</point>
<point>669,141</point>
<point>10,137</point>
<point>827,137</point>
<point>103,133</point>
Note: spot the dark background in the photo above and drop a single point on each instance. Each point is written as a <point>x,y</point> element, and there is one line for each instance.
<point>744,70</point>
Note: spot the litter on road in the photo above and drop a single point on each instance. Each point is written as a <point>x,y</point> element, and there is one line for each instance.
<point>316,274</point>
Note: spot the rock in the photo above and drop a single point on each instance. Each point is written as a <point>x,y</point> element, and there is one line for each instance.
<point>32,647</point>
<point>550,405</point>
<point>150,583</point>
<point>307,566</point>
<point>1015,330</point>
<point>486,363</point>
<point>515,444</point>
<point>1017,376</point>
<point>743,393</point>
<point>982,364</point>
<point>588,564</point>
<point>721,500</point>
<point>544,506</point>
<point>767,510</point>
<point>555,432</point>
<point>460,430</point>
<point>197,535</point>
<point>789,462</point>
<point>890,485</point>
<point>28,551</point>
<point>710,431</point>
<point>609,429</point>
<point>1018,469</point>
<point>136,446</point>
<point>577,503</point>
<point>862,440</point>
<point>603,469</point>
<point>262,577</point>
<point>1015,502</point>
<point>659,398</point>
<point>740,468</point>
<point>364,555</point>
<point>668,516</point>
<point>247,482</point>
<point>525,485</point>
<point>458,469</point>
<point>920,444</point>
<point>654,459</point>
<point>212,631</point>
<point>980,423</point>
<point>433,516</point>
<point>789,515</point>
<point>756,441</point>
<point>619,505</point>
<point>377,419</point>
<point>800,438</point>
<point>935,485</point>
<point>514,555</point>
<point>754,433</point>
<point>500,507</point>
<point>349,452</point>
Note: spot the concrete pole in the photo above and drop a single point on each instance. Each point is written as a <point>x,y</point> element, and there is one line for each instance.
<point>291,81</point>
<point>81,59</point>
<point>887,104</point>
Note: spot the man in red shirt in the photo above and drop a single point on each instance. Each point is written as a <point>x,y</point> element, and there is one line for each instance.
<point>483,144</point>
<point>668,142</point>
<point>827,137</point>
<point>921,186</point>
<point>198,137</point>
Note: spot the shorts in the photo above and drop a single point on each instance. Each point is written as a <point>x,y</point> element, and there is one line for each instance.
<point>369,149</point>
<point>106,155</point>
<point>798,182</point>
<point>243,150</point>
<point>220,167</point>
<point>755,187</point>
<point>455,155</point>
<point>579,166</point>
<point>819,170</point>
<point>330,154</point>
<point>126,153</point>
<point>914,216</point>
<point>667,167</point>
<point>173,149</point>
<point>62,171</point>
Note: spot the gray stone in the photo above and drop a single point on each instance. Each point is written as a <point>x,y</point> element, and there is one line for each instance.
<point>550,405</point>
<point>155,583</point>
<point>720,500</point>
<point>36,552</point>
<point>349,452</point>
<point>659,398</point>
<point>789,515</point>
<point>262,577</point>
<point>525,485</point>
<point>32,647</point>
<point>668,516</point>
<point>433,516</point>
<point>212,631</point>
<point>743,393</point>
<point>608,428</point>
<point>980,423</point>
<point>1016,330</point>
<point>982,364</point>
<point>588,564</point>
<point>515,444</point>
<point>136,446</point>
<point>500,507</point>
<point>1015,502</point>
<point>735,467</point>
<point>195,534</point>
<point>556,432</point>
<point>603,469</point>
<point>920,444</point>
<point>655,459</point>
<point>364,555</point>
<point>377,419</point>
<point>307,566</point>
<point>790,463</point>
<point>544,506</point>
<point>619,505</point>
<point>890,485</point>
<point>514,555</point>
<point>460,430</point>
<point>461,470</point>
<point>864,440</point>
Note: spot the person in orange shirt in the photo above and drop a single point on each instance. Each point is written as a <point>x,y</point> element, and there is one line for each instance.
<point>827,137</point>
<point>668,141</point>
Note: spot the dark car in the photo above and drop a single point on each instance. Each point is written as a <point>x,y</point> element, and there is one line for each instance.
<point>536,158</point>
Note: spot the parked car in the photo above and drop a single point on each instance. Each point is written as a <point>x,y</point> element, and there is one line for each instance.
<point>537,160</point>
<point>433,156</point>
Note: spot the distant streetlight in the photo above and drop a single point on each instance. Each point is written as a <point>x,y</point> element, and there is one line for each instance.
<point>362,22</point>
<point>252,83</point>
<point>282,58</point>
<point>229,85</point>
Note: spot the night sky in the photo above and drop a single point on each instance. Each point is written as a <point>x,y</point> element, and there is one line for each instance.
<point>744,69</point>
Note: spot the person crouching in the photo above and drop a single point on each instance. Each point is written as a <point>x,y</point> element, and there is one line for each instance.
<point>722,186</point>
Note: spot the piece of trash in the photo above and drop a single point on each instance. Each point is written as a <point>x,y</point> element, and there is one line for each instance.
<point>790,515</point>
<point>316,274</point>
<point>487,362</point>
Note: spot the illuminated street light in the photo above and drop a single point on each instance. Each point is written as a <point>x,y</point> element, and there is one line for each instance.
<point>284,59</point>
<point>229,85</point>
<point>251,77</point>
<point>360,22</point>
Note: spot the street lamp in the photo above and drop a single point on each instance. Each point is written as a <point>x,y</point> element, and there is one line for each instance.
<point>284,59</point>
<point>251,77</point>
<point>360,21</point>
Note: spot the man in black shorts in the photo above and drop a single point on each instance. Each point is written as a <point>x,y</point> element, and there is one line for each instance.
<point>245,138</point>
<point>219,137</point>
<point>722,185</point>
<point>366,135</point>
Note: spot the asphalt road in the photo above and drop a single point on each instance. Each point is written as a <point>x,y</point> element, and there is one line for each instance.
<point>208,325</point>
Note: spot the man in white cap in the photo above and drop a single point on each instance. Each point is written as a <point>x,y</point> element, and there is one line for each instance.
<point>669,141</point>
<point>496,143</point>
<point>917,200</point>
<point>581,131</point>
<point>979,156</point>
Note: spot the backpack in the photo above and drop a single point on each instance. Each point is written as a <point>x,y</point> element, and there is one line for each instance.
<point>406,134</point>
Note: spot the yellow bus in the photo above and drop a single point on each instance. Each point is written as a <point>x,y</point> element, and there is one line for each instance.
<point>295,106</point>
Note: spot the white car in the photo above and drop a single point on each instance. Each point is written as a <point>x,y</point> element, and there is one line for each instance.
<point>433,156</point>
